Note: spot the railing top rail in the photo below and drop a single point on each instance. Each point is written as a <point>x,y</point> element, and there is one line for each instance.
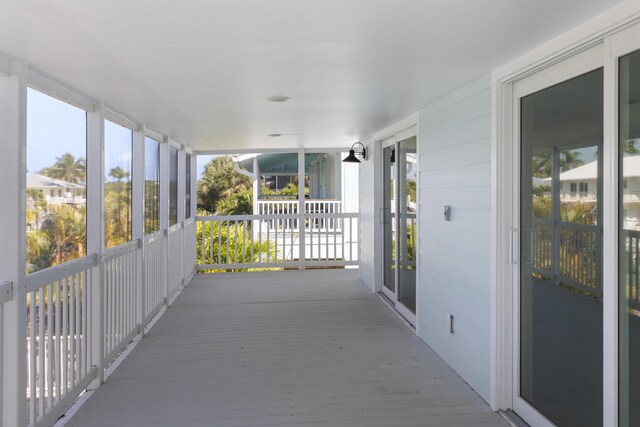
<point>329,215</point>
<point>295,200</point>
<point>154,237</point>
<point>576,226</point>
<point>276,216</point>
<point>122,249</point>
<point>35,281</point>
<point>631,233</point>
<point>246,217</point>
<point>6,293</point>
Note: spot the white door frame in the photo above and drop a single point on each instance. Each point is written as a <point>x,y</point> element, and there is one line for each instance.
<point>391,136</point>
<point>574,66</point>
<point>611,30</point>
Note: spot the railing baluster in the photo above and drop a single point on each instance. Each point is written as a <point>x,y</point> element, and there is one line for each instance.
<point>50,352</point>
<point>65,336</point>
<point>244,241</point>
<point>260,241</point>
<point>84,323</point>
<point>72,330</point>
<point>268,248</point>
<point>227,243</point>
<point>235,253</point>
<point>58,340</point>
<point>275,256</point>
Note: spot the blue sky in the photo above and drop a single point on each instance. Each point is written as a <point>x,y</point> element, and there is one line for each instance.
<point>53,129</point>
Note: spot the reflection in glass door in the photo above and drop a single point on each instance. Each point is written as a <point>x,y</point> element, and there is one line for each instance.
<point>561,336</point>
<point>629,241</point>
<point>407,223</point>
<point>400,169</point>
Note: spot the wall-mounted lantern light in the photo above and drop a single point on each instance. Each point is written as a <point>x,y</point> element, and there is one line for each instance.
<point>351,158</point>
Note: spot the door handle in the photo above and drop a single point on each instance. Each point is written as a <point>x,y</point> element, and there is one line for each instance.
<point>513,244</point>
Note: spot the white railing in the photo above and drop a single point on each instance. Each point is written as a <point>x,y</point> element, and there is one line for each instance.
<point>175,258</point>
<point>273,208</point>
<point>58,341</point>
<point>252,241</point>
<point>575,260</point>
<point>66,200</point>
<point>155,277</point>
<point>120,298</point>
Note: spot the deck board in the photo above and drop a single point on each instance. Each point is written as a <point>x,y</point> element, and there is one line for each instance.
<point>310,348</point>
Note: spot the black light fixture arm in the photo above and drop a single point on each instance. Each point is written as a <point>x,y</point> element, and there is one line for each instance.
<point>351,158</point>
<point>362,153</point>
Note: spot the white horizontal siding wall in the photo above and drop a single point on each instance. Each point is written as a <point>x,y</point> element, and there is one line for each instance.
<point>455,170</point>
<point>367,218</point>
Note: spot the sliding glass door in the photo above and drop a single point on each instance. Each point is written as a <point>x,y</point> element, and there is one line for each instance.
<point>629,240</point>
<point>560,298</point>
<point>399,218</point>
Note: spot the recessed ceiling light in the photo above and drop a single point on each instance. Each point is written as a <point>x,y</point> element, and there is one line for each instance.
<point>275,135</point>
<point>278,98</point>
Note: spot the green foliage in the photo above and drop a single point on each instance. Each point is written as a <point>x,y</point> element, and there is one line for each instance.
<point>231,247</point>
<point>236,204</point>
<point>37,198</point>
<point>411,190</point>
<point>117,207</point>
<point>220,180</point>
<point>578,213</point>
<point>151,206</point>
<point>629,147</point>
<point>290,189</point>
<point>39,250</point>
<point>62,237</point>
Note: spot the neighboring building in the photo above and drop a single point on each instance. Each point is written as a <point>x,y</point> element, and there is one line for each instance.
<point>57,192</point>
<point>581,185</point>
<point>327,178</point>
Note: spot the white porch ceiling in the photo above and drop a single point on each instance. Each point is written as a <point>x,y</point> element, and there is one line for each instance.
<point>201,70</point>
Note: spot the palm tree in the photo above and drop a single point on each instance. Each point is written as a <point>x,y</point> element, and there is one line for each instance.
<point>542,162</point>
<point>120,196</point>
<point>66,230</point>
<point>220,180</point>
<point>67,168</point>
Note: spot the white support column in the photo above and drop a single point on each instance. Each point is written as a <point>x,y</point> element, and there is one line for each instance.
<point>181,178</point>
<point>194,242</point>
<point>138,220</point>
<point>13,122</point>
<point>301,209</point>
<point>194,185</point>
<point>181,207</point>
<point>95,233</point>
<point>164,208</point>
<point>256,185</point>
<point>257,189</point>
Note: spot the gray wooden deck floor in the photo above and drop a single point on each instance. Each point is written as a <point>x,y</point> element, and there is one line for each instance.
<point>308,348</point>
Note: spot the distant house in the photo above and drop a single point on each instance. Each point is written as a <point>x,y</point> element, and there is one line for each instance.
<point>57,192</point>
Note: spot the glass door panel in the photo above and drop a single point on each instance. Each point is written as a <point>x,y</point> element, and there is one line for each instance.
<point>407,222</point>
<point>560,251</point>
<point>389,204</point>
<point>629,240</point>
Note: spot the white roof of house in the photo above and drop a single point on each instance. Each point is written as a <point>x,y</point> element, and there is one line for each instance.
<point>631,168</point>
<point>35,180</point>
